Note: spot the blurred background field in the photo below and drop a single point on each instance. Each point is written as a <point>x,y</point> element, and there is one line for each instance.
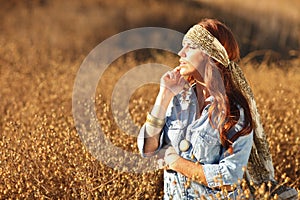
<point>43,43</point>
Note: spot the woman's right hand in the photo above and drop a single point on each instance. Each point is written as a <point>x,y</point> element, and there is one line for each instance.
<point>172,81</point>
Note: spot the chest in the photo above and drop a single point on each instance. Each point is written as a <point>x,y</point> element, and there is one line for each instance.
<point>203,140</point>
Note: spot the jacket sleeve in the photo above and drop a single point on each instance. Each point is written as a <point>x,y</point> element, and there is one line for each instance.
<point>141,143</point>
<point>230,167</point>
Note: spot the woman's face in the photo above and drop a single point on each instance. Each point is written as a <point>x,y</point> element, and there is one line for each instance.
<point>192,60</point>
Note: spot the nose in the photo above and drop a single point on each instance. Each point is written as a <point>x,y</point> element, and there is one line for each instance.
<point>181,53</point>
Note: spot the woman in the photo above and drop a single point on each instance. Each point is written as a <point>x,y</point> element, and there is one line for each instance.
<point>203,129</point>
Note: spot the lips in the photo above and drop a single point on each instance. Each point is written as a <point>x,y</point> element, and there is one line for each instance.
<point>182,62</point>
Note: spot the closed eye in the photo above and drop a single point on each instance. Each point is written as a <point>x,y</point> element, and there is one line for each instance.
<point>189,45</point>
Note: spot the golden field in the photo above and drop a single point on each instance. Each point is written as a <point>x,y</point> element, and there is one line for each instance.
<point>42,45</point>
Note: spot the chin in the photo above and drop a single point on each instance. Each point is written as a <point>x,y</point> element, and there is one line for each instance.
<point>184,72</point>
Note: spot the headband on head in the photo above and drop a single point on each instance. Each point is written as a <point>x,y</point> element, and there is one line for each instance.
<point>204,40</point>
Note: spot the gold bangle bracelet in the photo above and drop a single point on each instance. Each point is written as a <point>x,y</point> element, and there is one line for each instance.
<point>154,125</point>
<point>154,121</point>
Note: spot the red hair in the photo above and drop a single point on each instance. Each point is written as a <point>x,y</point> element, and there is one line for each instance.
<point>224,112</point>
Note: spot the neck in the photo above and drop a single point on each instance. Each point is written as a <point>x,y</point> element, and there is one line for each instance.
<point>202,94</point>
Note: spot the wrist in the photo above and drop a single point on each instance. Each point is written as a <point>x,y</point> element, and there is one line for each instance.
<point>164,97</point>
<point>166,92</point>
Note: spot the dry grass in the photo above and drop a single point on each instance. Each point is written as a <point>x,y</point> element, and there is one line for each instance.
<point>261,24</point>
<point>288,9</point>
<point>42,47</point>
<point>275,89</point>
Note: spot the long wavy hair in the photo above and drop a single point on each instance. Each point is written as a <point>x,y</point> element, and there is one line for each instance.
<point>224,113</point>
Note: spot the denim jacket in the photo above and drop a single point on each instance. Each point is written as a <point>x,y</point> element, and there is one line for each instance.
<point>205,148</point>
